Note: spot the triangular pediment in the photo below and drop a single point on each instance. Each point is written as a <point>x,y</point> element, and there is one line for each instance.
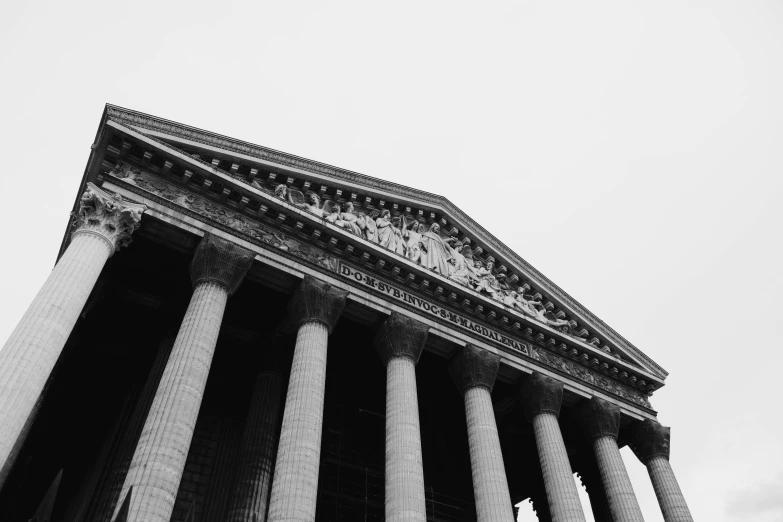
<point>431,243</point>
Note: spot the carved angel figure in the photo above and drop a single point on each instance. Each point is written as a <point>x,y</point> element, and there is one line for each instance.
<point>313,206</point>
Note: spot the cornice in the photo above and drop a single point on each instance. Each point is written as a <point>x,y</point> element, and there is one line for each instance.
<point>144,122</point>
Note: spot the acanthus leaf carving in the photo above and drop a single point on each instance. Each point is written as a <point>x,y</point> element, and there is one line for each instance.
<point>107,215</point>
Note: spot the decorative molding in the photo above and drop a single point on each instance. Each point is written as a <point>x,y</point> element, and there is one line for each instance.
<point>589,376</point>
<point>223,216</point>
<point>142,121</point>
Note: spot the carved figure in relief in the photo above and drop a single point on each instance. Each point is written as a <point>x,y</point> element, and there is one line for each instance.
<point>435,254</point>
<point>281,192</point>
<point>535,309</point>
<point>332,214</point>
<point>371,230</point>
<point>488,282</point>
<point>313,206</point>
<point>448,257</point>
<point>386,237</point>
<point>350,219</point>
<point>413,241</point>
<point>464,271</point>
<point>399,241</point>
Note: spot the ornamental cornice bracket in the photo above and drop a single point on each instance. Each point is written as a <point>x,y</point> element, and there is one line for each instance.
<point>108,215</point>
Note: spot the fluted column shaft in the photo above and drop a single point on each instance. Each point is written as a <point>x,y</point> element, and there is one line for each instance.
<point>542,397</point>
<point>295,484</point>
<point>619,491</point>
<point>667,489</point>
<point>159,459</point>
<point>650,441</point>
<point>490,486</point>
<point>316,307</point>
<point>400,342</point>
<point>102,225</point>
<point>474,371</point>
<point>29,355</point>
<point>601,420</point>
<point>155,472</point>
<point>404,465</point>
<point>258,450</point>
<point>561,492</point>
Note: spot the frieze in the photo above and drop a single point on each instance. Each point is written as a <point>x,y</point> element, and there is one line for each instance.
<point>431,309</point>
<point>219,214</point>
<point>259,232</point>
<point>143,121</point>
<point>585,374</point>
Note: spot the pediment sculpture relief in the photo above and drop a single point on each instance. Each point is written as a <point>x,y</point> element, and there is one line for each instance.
<point>425,245</point>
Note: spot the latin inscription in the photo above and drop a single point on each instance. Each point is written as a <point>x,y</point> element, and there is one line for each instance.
<point>431,309</point>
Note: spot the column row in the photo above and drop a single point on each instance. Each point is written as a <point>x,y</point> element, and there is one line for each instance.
<point>105,222</point>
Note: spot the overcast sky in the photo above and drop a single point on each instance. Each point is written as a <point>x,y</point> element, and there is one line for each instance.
<point>631,151</point>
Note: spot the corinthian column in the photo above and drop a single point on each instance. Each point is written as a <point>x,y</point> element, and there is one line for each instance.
<point>315,307</point>
<point>399,343</point>
<point>602,420</point>
<point>650,443</point>
<point>103,224</point>
<point>217,270</point>
<point>474,372</point>
<point>541,397</point>
<point>251,494</point>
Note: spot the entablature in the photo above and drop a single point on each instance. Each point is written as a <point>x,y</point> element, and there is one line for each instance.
<point>223,164</point>
<point>141,168</point>
<point>250,196</point>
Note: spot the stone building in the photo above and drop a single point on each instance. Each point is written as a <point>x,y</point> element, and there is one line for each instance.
<point>235,333</point>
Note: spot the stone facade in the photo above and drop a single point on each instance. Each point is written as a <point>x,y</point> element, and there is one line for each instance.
<point>435,294</point>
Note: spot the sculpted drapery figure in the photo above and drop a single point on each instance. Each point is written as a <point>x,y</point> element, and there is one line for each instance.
<point>386,237</point>
<point>350,220</point>
<point>399,241</point>
<point>435,252</point>
<point>371,232</point>
<point>332,214</point>
<point>448,257</point>
<point>464,270</point>
<point>413,242</point>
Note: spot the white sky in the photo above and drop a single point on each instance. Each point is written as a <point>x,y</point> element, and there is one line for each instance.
<point>628,150</point>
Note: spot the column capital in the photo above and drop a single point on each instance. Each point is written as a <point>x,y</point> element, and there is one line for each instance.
<point>649,439</point>
<point>220,261</point>
<point>107,215</point>
<point>474,367</point>
<point>317,301</point>
<point>401,336</point>
<point>600,418</point>
<point>541,394</point>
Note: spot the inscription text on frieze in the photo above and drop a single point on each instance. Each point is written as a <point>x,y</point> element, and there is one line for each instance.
<point>431,308</point>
